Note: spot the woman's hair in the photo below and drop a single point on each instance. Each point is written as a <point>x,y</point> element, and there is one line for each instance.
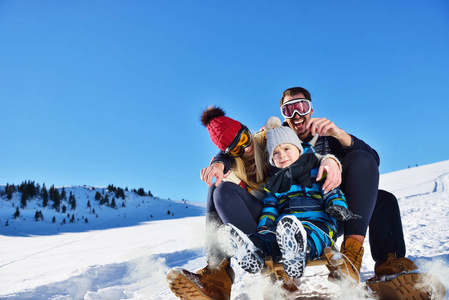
<point>260,160</point>
<point>294,91</point>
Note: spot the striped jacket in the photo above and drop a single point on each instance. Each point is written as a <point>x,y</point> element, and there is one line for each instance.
<point>309,205</point>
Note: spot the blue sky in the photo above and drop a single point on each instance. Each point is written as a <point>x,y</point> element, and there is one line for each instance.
<point>110,92</point>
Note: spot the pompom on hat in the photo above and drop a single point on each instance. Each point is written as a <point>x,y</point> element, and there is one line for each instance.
<point>278,134</point>
<point>222,129</point>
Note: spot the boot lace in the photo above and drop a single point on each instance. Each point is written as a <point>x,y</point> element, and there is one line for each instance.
<point>354,257</point>
<point>392,259</point>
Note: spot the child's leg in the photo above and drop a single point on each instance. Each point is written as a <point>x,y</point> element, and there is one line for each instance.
<point>319,236</point>
<point>292,240</point>
<point>248,255</point>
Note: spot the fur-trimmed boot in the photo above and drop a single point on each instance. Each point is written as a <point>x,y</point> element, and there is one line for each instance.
<point>398,278</point>
<point>206,284</point>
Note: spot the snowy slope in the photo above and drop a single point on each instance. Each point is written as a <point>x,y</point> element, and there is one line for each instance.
<point>116,258</point>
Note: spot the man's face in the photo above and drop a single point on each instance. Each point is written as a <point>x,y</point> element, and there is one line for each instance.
<point>298,123</point>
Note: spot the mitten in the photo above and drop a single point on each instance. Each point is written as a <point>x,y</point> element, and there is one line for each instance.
<point>341,213</point>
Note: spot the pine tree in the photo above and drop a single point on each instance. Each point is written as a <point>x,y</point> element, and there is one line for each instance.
<point>44,196</point>
<point>23,200</point>
<point>17,213</point>
<point>141,192</point>
<point>56,200</point>
<point>51,192</point>
<point>72,202</point>
<point>63,195</point>
<point>120,193</point>
<point>10,189</point>
<point>38,216</point>
<point>105,200</point>
<point>113,204</point>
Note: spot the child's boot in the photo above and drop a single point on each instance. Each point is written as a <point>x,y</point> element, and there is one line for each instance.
<point>246,253</point>
<point>292,239</point>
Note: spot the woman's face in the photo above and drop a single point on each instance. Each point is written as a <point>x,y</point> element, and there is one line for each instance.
<point>249,151</point>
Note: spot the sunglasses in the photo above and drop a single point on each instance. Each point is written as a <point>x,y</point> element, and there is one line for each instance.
<point>300,105</point>
<point>241,141</point>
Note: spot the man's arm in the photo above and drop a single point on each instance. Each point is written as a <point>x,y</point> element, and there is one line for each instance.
<point>340,144</point>
<point>347,142</point>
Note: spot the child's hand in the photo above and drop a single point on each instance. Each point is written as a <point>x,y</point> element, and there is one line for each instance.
<point>341,213</point>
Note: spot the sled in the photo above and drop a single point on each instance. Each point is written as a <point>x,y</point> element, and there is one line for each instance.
<point>411,285</point>
<point>275,270</point>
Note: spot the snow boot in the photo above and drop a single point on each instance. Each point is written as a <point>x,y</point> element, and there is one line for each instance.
<point>398,278</point>
<point>292,239</point>
<point>206,284</point>
<point>352,252</point>
<point>247,254</point>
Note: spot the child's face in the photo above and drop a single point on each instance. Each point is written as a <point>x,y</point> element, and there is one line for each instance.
<point>285,154</point>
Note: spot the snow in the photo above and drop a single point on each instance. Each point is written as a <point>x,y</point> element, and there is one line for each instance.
<point>124,253</point>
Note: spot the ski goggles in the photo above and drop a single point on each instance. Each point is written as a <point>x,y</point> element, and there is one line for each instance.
<point>241,141</point>
<point>300,105</point>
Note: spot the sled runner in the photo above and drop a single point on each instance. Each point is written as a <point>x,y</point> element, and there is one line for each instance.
<point>331,259</point>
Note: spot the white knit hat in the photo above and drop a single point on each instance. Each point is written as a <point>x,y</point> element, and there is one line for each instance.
<point>278,134</point>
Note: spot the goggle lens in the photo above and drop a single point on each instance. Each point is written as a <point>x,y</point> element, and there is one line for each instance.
<point>300,106</point>
<point>243,143</point>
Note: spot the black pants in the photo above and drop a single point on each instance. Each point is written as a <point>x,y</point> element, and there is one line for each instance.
<point>229,203</point>
<point>379,209</point>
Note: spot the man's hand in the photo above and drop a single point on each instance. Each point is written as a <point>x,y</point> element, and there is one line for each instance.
<point>215,170</point>
<point>333,178</point>
<point>325,127</point>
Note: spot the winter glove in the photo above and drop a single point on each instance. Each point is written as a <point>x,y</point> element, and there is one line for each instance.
<point>341,213</point>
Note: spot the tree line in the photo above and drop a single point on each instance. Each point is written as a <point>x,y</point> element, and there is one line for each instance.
<point>54,197</point>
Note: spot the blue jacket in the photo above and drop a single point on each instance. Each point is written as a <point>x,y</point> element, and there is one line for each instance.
<point>306,203</point>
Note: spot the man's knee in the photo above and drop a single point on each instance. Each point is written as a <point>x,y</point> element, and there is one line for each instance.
<point>360,161</point>
<point>387,202</point>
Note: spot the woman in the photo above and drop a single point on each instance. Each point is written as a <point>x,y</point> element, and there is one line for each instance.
<point>235,198</point>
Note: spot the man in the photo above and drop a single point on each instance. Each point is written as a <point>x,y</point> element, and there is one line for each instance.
<point>379,209</point>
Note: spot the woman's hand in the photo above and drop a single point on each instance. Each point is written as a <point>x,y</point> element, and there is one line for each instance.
<point>215,170</point>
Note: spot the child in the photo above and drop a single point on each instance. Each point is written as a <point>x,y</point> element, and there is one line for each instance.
<point>298,220</point>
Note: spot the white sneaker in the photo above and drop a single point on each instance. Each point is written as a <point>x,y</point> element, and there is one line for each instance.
<point>292,239</point>
<point>244,250</point>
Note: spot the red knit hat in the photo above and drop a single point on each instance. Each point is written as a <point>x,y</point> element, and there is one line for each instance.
<point>222,129</point>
